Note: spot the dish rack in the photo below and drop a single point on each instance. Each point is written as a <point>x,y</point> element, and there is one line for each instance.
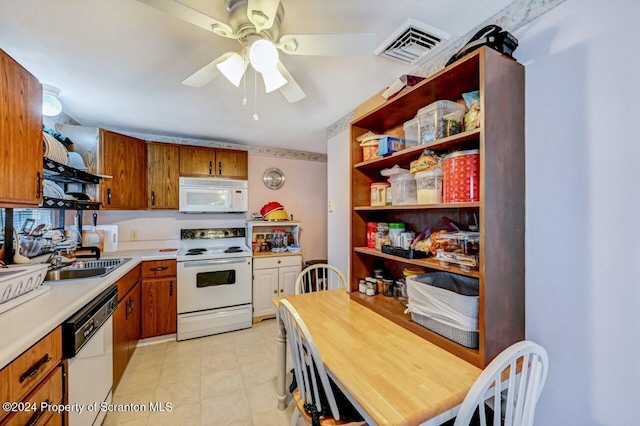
<point>20,283</point>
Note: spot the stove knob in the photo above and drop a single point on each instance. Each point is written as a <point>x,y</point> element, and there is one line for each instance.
<point>202,234</point>
<point>226,233</point>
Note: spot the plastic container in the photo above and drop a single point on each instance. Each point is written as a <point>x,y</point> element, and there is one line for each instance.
<point>395,230</point>
<point>372,228</point>
<point>382,235</point>
<point>403,189</point>
<point>429,186</point>
<point>411,130</point>
<point>379,193</point>
<point>461,177</point>
<point>453,123</point>
<point>446,304</point>
<point>431,119</point>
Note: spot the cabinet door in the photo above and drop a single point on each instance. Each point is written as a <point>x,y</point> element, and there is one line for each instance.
<point>120,340</point>
<point>163,162</point>
<point>125,159</point>
<point>231,163</point>
<point>21,147</point>
<point>197,161</point>
<point>159,309</point>
<point>287,278</point>
<point>265,288</point>
<point>134,321</point>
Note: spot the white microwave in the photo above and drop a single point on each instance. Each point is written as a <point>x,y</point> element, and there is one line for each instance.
<point>213,195</point>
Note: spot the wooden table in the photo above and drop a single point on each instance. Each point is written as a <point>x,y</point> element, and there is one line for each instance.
<point>392,376</point>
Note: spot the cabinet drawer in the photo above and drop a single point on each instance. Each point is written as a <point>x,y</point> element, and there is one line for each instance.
<point>127,282</point>
<point>276,262</point>
<point>50,391</point>
<point>34,364</point>
<point>158,268</point>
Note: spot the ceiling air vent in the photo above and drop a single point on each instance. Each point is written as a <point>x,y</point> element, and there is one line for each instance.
<point>412,41</point>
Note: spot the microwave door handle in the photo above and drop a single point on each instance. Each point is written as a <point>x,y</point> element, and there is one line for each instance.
<point>201,263</point>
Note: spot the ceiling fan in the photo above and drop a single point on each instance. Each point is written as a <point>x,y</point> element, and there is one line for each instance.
<point>256,25</point>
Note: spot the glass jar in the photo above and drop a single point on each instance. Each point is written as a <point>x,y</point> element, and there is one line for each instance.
<point>382,235</point>
<point>362,286</point>
<point>371,290</point>
<point>387,287</point>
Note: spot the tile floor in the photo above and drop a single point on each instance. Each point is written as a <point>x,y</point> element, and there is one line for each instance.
<point>226,379</point>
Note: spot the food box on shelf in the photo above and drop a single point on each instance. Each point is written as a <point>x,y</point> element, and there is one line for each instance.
<point>389,144</point>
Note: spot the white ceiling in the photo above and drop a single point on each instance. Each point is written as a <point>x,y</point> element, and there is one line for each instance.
<point>119,64</point>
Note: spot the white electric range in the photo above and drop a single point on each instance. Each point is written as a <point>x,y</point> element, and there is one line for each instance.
<point>214,282</point>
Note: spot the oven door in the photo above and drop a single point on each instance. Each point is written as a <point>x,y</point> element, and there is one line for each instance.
<point>212,284</point>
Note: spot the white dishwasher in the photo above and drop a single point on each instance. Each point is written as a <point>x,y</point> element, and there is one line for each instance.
<point>87,342</point>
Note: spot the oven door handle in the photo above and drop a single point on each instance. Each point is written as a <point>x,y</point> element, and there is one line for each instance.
<point>215,262</point>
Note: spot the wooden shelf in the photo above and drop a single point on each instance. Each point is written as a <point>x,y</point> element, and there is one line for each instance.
<point>393,310</point>
<point>262,254</point>
<point>273,222</point>
<point>419,207</point>
<point>459,141</point>
<point>429,262</point>
<point>499,140</point>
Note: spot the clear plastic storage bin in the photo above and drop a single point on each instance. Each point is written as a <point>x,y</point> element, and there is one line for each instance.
<point>431,119</point>
<point>429,184</point>
<point>446,304</point>
<point>411,130</point>
<point>403,189</point>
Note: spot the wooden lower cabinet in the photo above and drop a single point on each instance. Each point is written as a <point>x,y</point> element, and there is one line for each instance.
<point>126,326</point>
<point>159,298</point>
<point>159,310</point>
<point>36,376</point>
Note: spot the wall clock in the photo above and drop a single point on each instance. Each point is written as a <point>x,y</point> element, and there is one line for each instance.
<point>273,178</point>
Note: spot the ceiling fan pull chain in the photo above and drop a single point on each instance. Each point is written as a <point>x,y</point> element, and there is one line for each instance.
<point>255,96</point>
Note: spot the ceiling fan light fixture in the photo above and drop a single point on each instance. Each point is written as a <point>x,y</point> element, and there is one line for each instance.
<point>263,55</point>
<point>51,105</point>
<point>233,68</point>
<point>273,80</point>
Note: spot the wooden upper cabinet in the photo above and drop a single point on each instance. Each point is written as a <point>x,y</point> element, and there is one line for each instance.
<point>21,146</point>
<point>163,162</point>
<point>215,162</point>
<point>125,159</point>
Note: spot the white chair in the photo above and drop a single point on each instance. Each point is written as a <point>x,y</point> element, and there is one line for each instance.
<point>515,378</point>
<point>319,277</point>
<point>306,360</point>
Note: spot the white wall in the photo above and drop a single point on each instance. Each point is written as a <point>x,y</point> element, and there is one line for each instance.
<point>339,195</point>
<point>583,257</point>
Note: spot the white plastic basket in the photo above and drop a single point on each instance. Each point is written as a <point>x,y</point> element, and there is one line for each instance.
<point>17,280</point>
<point>446,304</point>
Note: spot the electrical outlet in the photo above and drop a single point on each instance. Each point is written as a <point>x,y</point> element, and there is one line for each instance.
<point>133,235</point>
<point>331,206</point>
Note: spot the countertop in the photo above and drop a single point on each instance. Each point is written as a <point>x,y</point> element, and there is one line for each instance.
<point>27,323</point>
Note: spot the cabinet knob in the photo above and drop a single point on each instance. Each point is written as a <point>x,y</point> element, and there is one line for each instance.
<point>279,262</point>
<point>282,290</point>
<point>153,198</point>
<point>108,195</point>
<point>219,167</point>
<point>275,291</point>
<point>210,167</point>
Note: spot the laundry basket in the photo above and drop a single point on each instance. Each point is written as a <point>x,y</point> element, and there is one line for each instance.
<point>446,304</point>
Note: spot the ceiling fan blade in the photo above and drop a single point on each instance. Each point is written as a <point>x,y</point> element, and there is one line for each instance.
<point>188,14</point>
<point>262,13</point>
<point>206,73</point>
<point>291,91</point>
<point>328,44</point>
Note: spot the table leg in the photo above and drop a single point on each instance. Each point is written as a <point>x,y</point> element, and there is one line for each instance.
<point>281,355</point>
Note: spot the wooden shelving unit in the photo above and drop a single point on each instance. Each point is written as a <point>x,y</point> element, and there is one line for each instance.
<point>500,211</point>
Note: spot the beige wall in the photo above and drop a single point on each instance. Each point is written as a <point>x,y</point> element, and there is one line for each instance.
<point>304,195</point>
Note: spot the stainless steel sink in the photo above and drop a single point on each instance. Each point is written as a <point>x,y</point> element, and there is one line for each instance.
<point>85,269</point>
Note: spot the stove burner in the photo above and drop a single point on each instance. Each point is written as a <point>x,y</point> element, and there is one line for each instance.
<point>233,249</point>
<point>196,250</point>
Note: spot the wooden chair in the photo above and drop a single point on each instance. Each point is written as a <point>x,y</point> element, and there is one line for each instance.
<point>319,277</point>
<point>515,378</point>
<point>314,391</point>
